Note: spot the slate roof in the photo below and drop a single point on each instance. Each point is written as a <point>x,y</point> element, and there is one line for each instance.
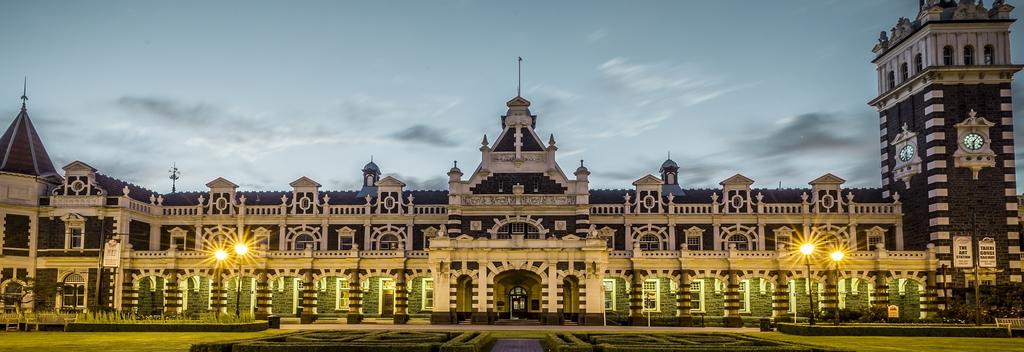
<point>22,151</point>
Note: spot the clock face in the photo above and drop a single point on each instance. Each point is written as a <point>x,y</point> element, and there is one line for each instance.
<point>907,153</point>
<point>973,141</point>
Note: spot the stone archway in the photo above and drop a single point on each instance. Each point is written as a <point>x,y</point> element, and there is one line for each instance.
<point>517,295</point>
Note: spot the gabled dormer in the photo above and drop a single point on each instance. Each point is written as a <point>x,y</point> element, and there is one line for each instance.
<point>648,195</point>
<point>826,194</point>
<point>389,196</point>
<point>222,197</point>
<point>305,196</point>
<point>736,194</point>
<point>79,180</point>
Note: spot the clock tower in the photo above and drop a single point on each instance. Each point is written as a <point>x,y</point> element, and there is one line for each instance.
<point>947,147</point>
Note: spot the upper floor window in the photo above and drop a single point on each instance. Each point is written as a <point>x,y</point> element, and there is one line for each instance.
<point>388,242</point>
<point>892,79</point>
<point>650,242</point>
<point>968,55</point>
<point>693,243</point>
<point>519,228</point>
<point>303,241</point>
<point>77,238</point>
<point>947,56</point>
<point>918,63</point>
<point>990,55</point>
<point>904,72</point>
<point>741,242</point>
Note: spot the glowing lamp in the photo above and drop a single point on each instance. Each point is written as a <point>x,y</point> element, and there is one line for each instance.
<point>807,248</point>
<point>241,249</point>
<point>220,254</point>
<point>837,256</point>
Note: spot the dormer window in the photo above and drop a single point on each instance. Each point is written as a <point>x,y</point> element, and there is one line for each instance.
<point>918,63</point>
<point>892,79</point>
<point>947,56</point>
<point>904,72</point>
<point>968,55</point>
<point>990,55</point>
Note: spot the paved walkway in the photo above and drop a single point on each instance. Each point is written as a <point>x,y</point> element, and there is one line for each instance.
<point>517,345</point>
<point>538,328</point>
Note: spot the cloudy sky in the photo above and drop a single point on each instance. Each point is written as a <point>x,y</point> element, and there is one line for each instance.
<point>263,92</point>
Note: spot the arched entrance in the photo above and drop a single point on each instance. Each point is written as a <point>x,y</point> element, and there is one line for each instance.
<point>517,295</point>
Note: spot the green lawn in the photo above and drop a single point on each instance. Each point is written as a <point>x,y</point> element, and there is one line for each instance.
<point>894,344</point>
<point>115,341</point>
<point>179,342</point>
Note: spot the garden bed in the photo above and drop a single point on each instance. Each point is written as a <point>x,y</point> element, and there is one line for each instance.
<point>170,326</point>
<point>931,330</point>
<point>354,341</point>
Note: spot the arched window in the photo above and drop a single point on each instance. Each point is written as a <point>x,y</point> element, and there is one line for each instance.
<point>519,228</point>
<point>892,79</point>
<point>947,56</point>
<point>740,241</point>
<point>73,292</point>
<point>990,55</point>
<point>650,242</point>
<point>918,63</point>
<point>388,242</point>
<point>968,55</point>
<point>904,72</point>
<point>13,294</point>
<point>303,241</point>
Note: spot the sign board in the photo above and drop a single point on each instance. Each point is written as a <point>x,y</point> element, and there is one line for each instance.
<point>894,311</point>
<point>112,254</point>
<point>963,255</point>
<point>987,252</point>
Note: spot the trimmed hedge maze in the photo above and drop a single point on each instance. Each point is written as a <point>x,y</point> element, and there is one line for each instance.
<point>355,341</point>
<point>645,342</point>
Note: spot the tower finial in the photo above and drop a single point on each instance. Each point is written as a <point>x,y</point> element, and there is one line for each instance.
<point>175,175</point>
<point>24,92</point>
<point>519,84</point>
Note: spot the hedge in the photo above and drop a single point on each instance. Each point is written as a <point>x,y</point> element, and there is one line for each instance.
<point>893,330</point>
<point>469,342</point>
<point>565,342</point>
<point>197,327</point>
<point>329,347</point>
<point>355,341</point>
<point>225,346</point>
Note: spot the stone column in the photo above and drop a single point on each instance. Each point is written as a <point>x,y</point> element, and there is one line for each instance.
<point>831,297</point>
<point>732,301</point>
<point>483,293</point>
<point>551,292</point>
<point>683,300</point>
<point>401,299</point>
<point>881,290</point>
<point>930,298</point>
<point>780,298</point>
<point>264,299</point>
<point>309,298</point>
<point>172,296</point>
<point>218,294</point>
<point>355,299</point>
<point>636,301</point>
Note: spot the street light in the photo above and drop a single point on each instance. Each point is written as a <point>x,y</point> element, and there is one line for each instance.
<point>240,250</point>
<point>807,249</point>
<point>837,256</point>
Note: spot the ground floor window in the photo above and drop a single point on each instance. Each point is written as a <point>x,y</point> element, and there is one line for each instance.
<point>428,294</point>
<point>745,296</point>
<point>73,292</point>
<point>609,294</point>
<point>341,286</point>
<point>652,295</point>
<point>697,296</point>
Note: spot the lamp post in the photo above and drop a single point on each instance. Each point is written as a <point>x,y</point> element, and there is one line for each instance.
<point>977,267</point>
<point>837,256</point>
<point>240,251</point>
<point>807,249</point>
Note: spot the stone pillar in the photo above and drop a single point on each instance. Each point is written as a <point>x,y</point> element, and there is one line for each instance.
<point>483,292</point>
<point>780,298</point>
<point>831,297</point>
<point>264,300</point>
<point>732,317</point>
<point>444,290</point>
<point>550,292</point>
<point>309,298</point>
<point>930,298</point>
<point>218,294</point>
<point>401,299</point>
<point>129,294</point>
<point>683,298</point>
<point>881,290</point>
<point>355,299</point>
<point>636,300</point>
<point>172,296</point>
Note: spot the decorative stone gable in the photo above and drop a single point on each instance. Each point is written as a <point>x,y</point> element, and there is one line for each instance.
<point>826,194</point>
<point>79,180</point>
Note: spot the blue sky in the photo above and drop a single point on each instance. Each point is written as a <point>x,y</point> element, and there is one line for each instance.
<point>263,92</point>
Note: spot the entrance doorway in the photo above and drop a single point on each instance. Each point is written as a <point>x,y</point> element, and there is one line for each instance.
<point>517,301</point>
<point>387,298</point>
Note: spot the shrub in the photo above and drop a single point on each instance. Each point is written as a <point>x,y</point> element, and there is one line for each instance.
<point>845,315</point>
<point>565,342</point>
<point>169,327</point>
<point>469,342</point>
<point>893,330</point>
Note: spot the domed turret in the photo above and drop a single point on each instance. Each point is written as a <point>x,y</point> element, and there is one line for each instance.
<point>371,174</point>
